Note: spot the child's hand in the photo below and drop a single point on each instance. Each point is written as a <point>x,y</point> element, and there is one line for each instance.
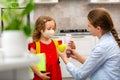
<point>62,47</point>
<point>63,56</point>
<point>45,76</point>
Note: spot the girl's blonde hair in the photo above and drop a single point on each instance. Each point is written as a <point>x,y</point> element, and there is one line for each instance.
<point>40,25</point>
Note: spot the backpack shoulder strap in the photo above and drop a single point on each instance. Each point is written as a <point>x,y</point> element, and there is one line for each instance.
<point>56,45</point>
<point>41,65</point>
<point>37,43</point>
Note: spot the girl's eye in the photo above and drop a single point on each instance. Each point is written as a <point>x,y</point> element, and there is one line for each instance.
<point>48,28</point>
<point>53,28</point>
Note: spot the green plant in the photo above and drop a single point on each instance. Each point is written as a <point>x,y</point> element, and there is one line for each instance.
<point>14,15</point>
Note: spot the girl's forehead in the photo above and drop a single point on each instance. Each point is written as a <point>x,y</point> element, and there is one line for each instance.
<point>50,24</point>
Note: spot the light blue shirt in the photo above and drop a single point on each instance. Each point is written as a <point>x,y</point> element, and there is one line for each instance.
<point>103,64</point>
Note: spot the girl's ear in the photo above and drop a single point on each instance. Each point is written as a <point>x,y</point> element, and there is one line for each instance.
<point>41,31</point>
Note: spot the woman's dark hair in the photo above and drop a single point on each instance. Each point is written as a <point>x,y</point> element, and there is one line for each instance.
<point>40,25</point>
<point>101,17</point>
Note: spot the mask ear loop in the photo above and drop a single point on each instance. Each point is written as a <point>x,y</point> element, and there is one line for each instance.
<point>41,31</point>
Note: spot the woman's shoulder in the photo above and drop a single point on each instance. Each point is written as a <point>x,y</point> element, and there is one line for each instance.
<point>105,46</point>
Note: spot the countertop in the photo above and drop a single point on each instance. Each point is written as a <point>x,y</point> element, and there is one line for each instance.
<point>14,63</point>
<point>75,34</point>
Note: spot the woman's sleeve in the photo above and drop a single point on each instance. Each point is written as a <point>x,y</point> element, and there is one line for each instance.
<point>93,63</point>
<point>31,45</point>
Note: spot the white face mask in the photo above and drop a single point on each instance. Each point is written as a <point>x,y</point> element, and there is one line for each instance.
<point>48,33</point>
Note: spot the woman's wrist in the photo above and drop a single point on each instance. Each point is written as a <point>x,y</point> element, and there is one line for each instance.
<point>81,58</point>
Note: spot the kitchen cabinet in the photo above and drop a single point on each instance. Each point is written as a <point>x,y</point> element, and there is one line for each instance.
<point>84,44</point>
<point>0,41</point>
<point>105,1</point>
<point>40,1</point>
<point>45,1</point>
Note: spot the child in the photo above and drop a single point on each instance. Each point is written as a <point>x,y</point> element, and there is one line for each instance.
<point>44,30</point>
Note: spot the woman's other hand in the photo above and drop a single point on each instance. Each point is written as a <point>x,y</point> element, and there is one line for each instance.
<point>75,55</point>
<point>71,44</point>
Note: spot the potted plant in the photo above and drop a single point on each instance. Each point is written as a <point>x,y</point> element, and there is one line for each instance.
<point>15,29</point>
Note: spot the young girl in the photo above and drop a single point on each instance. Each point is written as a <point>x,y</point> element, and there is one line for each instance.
<point>44,30</point>
<point>104,62</point>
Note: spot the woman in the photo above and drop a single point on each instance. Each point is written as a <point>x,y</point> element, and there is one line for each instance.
<point>104,62</point>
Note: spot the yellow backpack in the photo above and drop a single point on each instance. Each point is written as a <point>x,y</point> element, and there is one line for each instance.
<point>41,65</point>
<point>38,45</point>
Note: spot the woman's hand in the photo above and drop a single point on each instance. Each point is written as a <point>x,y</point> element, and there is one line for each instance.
<point>75,55</point>
<point>45,76</point>
<point>71,44</point>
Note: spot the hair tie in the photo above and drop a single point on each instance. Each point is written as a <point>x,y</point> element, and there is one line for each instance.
<point>44,20</point>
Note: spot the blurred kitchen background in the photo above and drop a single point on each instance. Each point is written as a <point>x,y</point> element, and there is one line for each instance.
<point>72,14</point>
<point>71,17</point>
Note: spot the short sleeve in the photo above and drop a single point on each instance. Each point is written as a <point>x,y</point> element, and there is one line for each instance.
<point>31,45</point>
<point>59,42</point>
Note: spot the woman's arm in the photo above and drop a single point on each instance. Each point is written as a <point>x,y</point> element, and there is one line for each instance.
<point>91,64</point>
<point>77,56</point>
<point>74,55</point>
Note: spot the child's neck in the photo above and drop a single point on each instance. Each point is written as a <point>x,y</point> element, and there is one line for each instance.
<point>45,40</point>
